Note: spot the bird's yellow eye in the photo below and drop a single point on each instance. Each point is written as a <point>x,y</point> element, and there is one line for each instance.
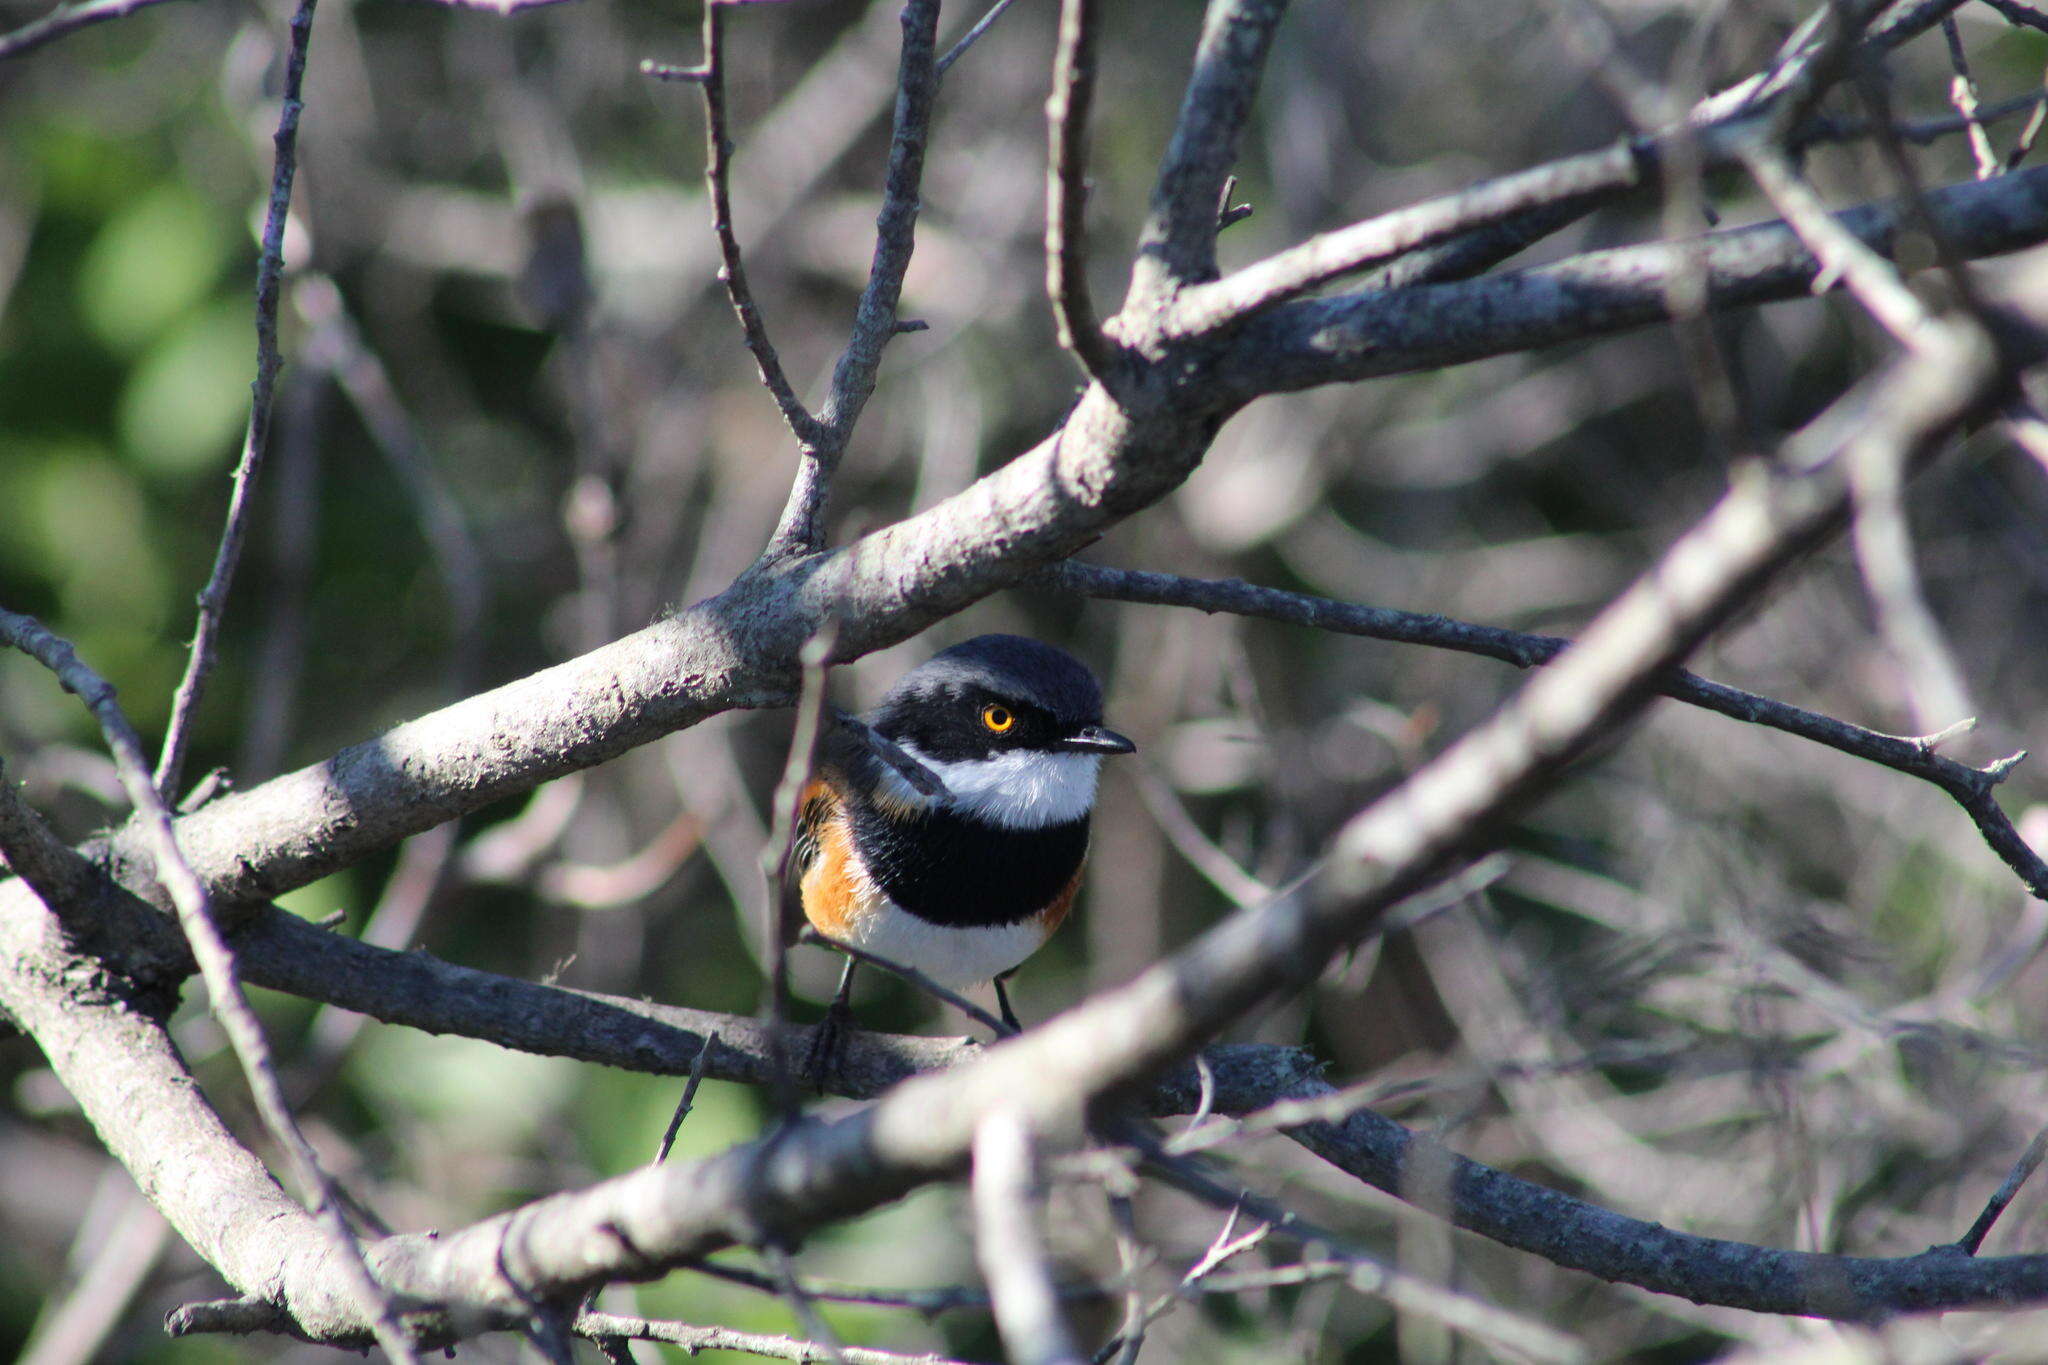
<point>1000,720</point>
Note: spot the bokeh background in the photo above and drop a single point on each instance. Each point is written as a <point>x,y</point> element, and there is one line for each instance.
<point>1732,982</point>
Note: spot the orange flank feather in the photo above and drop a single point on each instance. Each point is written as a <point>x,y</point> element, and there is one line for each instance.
<point>835,891</point>
<point>1055,914</point>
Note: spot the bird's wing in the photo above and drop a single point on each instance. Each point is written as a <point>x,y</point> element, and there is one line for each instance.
<point>813,808</point>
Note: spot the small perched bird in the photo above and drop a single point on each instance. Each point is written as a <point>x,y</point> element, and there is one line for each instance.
<point>966,885</point>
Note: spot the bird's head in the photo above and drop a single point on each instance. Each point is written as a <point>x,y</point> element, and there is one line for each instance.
<point>1012,726</point>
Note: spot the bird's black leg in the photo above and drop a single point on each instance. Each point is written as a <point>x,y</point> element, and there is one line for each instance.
<point>829,1039</point>
<point>1003,1003</point>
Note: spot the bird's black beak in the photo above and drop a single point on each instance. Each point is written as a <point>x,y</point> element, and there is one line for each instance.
<point>1094,739</point>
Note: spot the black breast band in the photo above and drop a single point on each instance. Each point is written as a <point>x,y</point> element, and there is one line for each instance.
<point>962,873</point>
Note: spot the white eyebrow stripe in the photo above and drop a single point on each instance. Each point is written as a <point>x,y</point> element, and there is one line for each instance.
<point>1017,790</point>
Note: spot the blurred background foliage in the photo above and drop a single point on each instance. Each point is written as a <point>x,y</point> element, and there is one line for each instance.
<point>1732,982</point>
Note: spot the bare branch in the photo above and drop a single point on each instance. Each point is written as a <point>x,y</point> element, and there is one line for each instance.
<point>972,36</point>
<point>116,1266</point>
<point>695,1339</point>
<point>1066,190</point>
<point>2030,1160</point>
<point>1515,209</point>
<point>739,648</point>
<point>1360,335</point>
<point>1844,256</point>
<point>67,19</point>
<point>1218,868</point>
<point>338,346</point>
<point>1582,1236</point>
<point>718,149</point>
<point>801,529</point>
<point>1962,93</point>
<point>217,965</point>
<point>1009,1247</point>
<point>800,1303</point>
<point>1974,789</point>
<point>687,1102</point>
<point>779,914</point>
<point>213,599</point>
<point>66,881</point>
<point>1177,246</point>
<point>2020,13</point>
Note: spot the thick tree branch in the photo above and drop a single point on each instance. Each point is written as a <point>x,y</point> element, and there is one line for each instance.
<point>1374,1149</point>
<point>222,974</point>
<point>1573,1233</point>
<point>1360,335</point>
<point>1481,223</point>
<point>113,1055</point>
<point>284,953</point>
<point>67,881</point>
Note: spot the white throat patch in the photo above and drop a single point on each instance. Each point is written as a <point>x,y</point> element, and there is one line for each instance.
<point>1017,790</point>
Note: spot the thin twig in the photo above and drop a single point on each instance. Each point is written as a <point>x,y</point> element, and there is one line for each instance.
<point>102,1280</point>
<point>805,1308</point>
<point>718,149</point>
<point>216,964</point>
<point>2024,146</point>
<point>1842,255</point>
<point>2021,13</point>
<point>1177,245</point>
<point>688,1101</point>
<point>1972,788</point>
<point>666,1145</point>
<point>2016,1177</point>
<point>1962,93</point>
<point>1197,1280</point>
<point>597,1326</point>
<point>925,1302</point>
<point>67,19</point>
<point>780,912</point>
<point>1123,1348</point>
<point>1920,131</point>
<point>1066,190</point>
<point>213,598</point>
<point>972,36</point>
<point>1218,868</point>
<point>338,345</point>
<point>1010,1247</point>
<point>1883,542</point>
<point>1485,1322</point>
<point>801,528</point>
<point>1227,213</point>
<point>1644,101</point>
<point>1884,552</point>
